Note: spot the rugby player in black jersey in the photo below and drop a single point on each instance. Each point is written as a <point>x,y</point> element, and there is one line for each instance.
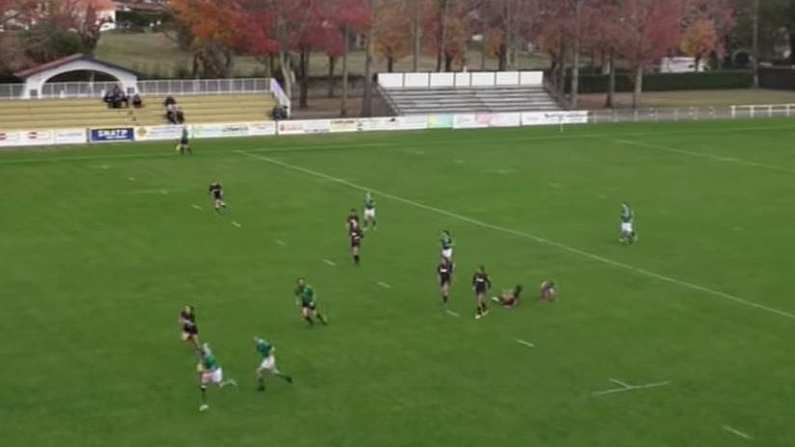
<point>444,272</point>
<point>481,283</point>
<point>217,196</point>
<point>356,242</point>
<point>352,221</point>
<point>190,331</point>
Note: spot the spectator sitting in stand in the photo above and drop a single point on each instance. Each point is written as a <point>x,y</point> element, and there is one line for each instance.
<point>137,102</point>
<point>171,113</point>
<point>169,101</point>
<point>180,116</point>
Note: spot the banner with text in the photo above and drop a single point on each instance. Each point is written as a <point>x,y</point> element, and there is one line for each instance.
<point>155,133</point>
<point>551,118</point>
<point>112,135</point>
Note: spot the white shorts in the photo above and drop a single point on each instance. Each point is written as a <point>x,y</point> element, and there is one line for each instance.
<point>626,227</point>
<point>268,364</point>
<point>216,376</point>
<point>447,253</point>
<point>369,213</point>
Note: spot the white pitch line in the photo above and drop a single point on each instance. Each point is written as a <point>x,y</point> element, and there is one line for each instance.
<point>280,242</point>
<point>627,387</point>
<point>738,161</point>
<point>533,237</point>
<point>196,207</point>
<point>526,343</point>
<point>330,262</point>
<point>384,285</point>
<point>455,314</point>
<point>235,223</point>
<point>618,382</point>
<point>737,432</point>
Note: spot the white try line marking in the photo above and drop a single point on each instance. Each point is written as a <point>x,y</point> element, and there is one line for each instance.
<point>525,343</point>
<point>455,314</point>
<point>707,156</point>
<point>280,242</point>
<point>196,207</point>
<point>384,285</point>
<point>734,431</point>
<point>627,387</point>
<point>330,262</point>
<point>538,239</point>
<point>235,223</point>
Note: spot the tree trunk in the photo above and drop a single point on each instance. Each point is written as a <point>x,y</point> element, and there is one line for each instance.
<point>390,64</point>
<point>755,45</point>
<point>638,87</point>
<point>367,104</point>
<point>509,37</point>
<point>332,64</point>
<point>503,57</point>
<point>417,35</point>
<point>562,68</point>
<point>611,84</point>
<point>483,54</point>
<point>303,100</point>
<point>344,105</point>
<point>287,75</point>
<point>441,54</point>
<point>448,62</point>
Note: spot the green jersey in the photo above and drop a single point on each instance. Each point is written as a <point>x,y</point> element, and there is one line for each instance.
<point>209,363</point>
<point>369,202</point>
<point>627,216</point>
<point>306,294</point>
<point>447,241</point>
<point>264,348</point>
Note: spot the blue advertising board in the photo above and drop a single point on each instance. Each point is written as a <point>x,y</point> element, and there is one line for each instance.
<point>112,135</point>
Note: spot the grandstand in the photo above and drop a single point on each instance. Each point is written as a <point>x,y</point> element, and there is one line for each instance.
<point>423,93</point>
<point>92,112</point>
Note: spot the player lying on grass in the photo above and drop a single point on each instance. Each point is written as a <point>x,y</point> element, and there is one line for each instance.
<point>369,211</point>
<point>190,331</point>
<point>184,143</point>
<point>549,291</point>
<point>447,245</point>
<point>509,298</point>
<point>305,296</point>
<point>481,283</point>
<point>217,196</point>
<point>444,272</point>
<point>627,232</point>
<point>210,372</point>
<point>268,363</point>
<point>356,243</point>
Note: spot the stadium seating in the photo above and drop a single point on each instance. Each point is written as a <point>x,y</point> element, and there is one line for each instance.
<point>77,113</point>
<point>408,101</point>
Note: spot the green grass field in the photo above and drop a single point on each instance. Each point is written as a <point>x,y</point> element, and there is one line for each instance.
<point>101,246</point>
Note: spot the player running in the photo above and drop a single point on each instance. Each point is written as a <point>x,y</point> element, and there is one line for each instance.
<point>548,291</point>
<point>305,297</point>
<point>210,372</point>
<point>217,196</point>
<point>187,321</point>
<point>268,364</point>
<point>356,242</point>
<point>627,225</point>
<point>447,245</point>
<point>444,272</point>
<point>481,283</point>
<point>509,298</point>
<point>369,211</point>
<point>184,142</point>
<point>352,220</point>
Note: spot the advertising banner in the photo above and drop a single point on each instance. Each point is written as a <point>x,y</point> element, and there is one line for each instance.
<point>112,135</point>
<point>8,139</point>
<point>224,130</point>
<point>70,136</point>
<point>412,122</point>
<point>505,120</point>
<point>344,125</point>
<point>154,133</point>
<point>471,120</point>
<point>262,128</point>
<point>35,138</point>
<point>378,124</point>
<point>440,121</point>
<point>550,118</point>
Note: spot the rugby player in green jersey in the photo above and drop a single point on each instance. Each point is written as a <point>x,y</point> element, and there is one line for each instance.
<point>627,235</point>
<point>447,245</point>
<point>369,211</point>
<point>210,372</point>
<point>268,363</point>
<point>305,297</point>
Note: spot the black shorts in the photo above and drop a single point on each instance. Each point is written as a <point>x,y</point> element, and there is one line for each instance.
<point>309,306</point>
<point>445,280</point>
<point>217,197</point>
<point>193,330</point>
<point>480,290</point>
<point>356,244</point>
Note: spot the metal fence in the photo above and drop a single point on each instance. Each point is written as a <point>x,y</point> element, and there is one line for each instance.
<point>152,88</point>
<point>647,115</point>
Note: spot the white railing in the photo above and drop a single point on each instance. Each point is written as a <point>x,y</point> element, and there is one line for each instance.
<point>461,80</point>
<point>769,110</point>
<point>152,88</point>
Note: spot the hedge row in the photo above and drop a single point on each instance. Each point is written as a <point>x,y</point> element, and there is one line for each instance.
<point>661,82</point>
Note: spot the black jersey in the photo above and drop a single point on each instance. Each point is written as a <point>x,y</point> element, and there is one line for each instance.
<point>216,190</point>
<point>188,322</point>
<point>353,222</point>
<point>445,272</point>
<point>481,281</point>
